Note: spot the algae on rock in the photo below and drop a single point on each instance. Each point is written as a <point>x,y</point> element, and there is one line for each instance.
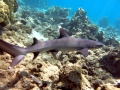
<point>7,8</point>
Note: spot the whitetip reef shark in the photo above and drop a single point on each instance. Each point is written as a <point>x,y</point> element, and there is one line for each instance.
<point>63,43</point>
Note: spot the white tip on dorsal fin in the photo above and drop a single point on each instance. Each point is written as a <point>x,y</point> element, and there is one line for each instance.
<point>63,33</point>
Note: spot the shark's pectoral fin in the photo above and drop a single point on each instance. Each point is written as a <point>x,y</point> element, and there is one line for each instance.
<point>54,52</point>
<point>35,54</point>
<point>16,60</point>
<point>84,52</point>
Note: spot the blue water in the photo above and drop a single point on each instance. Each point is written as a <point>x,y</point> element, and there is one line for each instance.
<point>96,9</point>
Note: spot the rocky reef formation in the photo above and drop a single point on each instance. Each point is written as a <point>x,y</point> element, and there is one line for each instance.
<point>69,70</point>
<point>103,22</point>
<point>110,35</point>
<point>80,26</point>
<point>112,42</point>
<point>57,14</point>
<point>13,6</point>
<point>7,8</point>
<point>111,62</point>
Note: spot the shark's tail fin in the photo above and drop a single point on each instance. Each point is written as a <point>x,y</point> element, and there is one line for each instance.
<point>19,57</point>
<point>16,60</point>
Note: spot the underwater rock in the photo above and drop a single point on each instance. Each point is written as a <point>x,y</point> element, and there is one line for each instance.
<point>72,78</point>
<point>103,22</point>
<point>78,23</point>
<point>47,32</point>
<point>100,36</point>
<point>80,26</point>
<point>7,8</point>
<point>112,41</point>
<point>25,13</point>
<point>70,70</point>
<point>58,14</point>
<point>111,62</point>
<point>56,11</point>
<point>40,14</point>
<point>13,6</point>
<point>110,87</point>
<point>79,20</point>
<point>110,32</point>
<point>11,28</point>
<point>4,14</point>
<point>93,29</point>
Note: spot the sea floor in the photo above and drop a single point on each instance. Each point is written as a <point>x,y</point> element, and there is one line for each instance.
<point>100,70</point>
<point>69,71</point>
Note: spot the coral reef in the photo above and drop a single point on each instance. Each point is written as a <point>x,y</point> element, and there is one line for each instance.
<point>4,14</point>
<point>100,36</point>
<point>103,22</point>
<point>110,36</point>
<point>56,11</point>
<point>78,22</point>
<point>69,70</point>
<point>80,26</point>
<point>57,14</point>
<point>112,41</point>
<point>13,6</point>
<point>111,62</point>
<point>7,8</point>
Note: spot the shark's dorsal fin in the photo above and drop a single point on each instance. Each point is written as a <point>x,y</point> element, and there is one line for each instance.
<point>63,33</point>
<point>35,41</point>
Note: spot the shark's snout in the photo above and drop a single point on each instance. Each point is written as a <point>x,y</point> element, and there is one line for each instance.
<point>99,44</point>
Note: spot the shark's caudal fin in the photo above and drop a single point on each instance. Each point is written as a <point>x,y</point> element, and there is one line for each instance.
<point>17,52</point>
<point>35,41</point>
<point>16,60</point>
<point>19,57</point>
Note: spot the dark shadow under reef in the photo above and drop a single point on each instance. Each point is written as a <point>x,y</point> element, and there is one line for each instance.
<point>1,30</point>
<point>111,63</point>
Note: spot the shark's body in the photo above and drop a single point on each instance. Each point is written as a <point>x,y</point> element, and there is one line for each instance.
<point>64,43</point>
